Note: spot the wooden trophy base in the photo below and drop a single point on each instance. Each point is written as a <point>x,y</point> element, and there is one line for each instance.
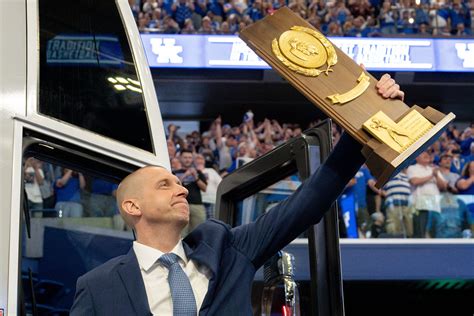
<point>391,132</point>
<point>384,162</point>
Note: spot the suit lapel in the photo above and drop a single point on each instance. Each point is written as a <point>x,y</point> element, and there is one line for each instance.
<point>205,255</point>
<point>131,277</point>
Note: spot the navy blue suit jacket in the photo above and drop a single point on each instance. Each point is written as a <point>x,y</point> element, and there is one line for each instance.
<point>233,255</point>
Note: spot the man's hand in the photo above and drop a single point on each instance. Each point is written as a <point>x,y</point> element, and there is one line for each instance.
<point>388,88</point>
<point>193,172</point>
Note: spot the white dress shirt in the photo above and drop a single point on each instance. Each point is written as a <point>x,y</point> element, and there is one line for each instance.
<point>213,180</point>
<point>426,196</point>
<point>155,277</point>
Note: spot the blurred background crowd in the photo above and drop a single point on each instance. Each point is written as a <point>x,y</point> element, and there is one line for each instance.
<point>432,198</point>
<point>356,18</point>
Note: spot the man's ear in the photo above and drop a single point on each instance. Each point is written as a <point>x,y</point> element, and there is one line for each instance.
<point>131,207</point>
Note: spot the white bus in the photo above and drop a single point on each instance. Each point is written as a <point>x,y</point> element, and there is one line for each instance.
<point>78,112</point>
<point>77,104</point>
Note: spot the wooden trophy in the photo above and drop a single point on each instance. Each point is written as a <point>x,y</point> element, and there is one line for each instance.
<point>392,133</point>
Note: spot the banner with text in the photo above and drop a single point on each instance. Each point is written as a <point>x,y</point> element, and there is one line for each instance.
<point>211,51</point>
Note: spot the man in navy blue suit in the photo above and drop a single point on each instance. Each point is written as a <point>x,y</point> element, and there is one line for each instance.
<point>219,262</point>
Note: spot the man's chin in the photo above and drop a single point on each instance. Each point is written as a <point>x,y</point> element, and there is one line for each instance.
<point>183,222</point>
<point>183,218</point>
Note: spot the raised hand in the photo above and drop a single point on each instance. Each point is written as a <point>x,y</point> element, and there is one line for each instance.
<point>388,88</point>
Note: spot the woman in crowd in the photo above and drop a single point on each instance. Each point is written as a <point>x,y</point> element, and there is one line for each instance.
<point>465,184</point>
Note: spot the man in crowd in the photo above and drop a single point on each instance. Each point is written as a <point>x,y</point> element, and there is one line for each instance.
<point>212,269</point>
<point>397,206</point>
<point>364,181</point>
<point>213,179</point>
<point>455,218</point>
<point>34,178</point>
<point>68,193</point>
<point>426,182</point>
<point>226,146</point>
<point>445,162</point>
<point>102,200</point>
<point>195,182</point>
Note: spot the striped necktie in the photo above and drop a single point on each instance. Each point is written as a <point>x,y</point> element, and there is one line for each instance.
<point>184,303</point>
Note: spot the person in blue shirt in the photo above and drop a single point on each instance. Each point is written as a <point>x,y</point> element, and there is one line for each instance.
<point>465,184</point>
<point>102,200</point>
<point>347,209</point>
<point>455,220</point>
<point>182,10</point>
<point>360,191</point>
<point>68,193</point>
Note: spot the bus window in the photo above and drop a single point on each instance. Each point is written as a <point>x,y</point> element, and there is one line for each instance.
<point>72,225</point>
<point>87,74</point>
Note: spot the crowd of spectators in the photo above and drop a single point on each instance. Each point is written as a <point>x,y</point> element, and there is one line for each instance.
<point>61,192</point>
<point>431,198</point>
<point>356,18</point>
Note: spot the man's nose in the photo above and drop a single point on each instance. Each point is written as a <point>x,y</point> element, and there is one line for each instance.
<point>182,191</point>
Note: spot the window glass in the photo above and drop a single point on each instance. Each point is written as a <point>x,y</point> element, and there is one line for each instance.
<point>365,212</point>
<point>270,292</point>
<point>87,72</point>
<point>74,225</point>
<point>252,207</point>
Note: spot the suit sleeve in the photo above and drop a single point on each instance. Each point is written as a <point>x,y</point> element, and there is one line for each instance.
<point>83,304</point>
<point>283,223</point>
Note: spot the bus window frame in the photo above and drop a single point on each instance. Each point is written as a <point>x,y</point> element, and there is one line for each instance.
<point>159,156</point>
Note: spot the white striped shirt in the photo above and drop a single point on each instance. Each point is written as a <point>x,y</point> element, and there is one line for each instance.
<point>398,190</point>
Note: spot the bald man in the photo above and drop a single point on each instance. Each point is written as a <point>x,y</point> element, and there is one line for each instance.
<point>218,262</point>
<point>153,201</point>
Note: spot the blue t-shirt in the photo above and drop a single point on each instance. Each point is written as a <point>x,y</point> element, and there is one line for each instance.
<point>71,192</point>
<point>454,218</point>
<point>360,188</point>
<point>215,7</point>
<point>198,9</point>
<point>182,13</point>
<point>348,210</point>
<point>468,191</point>
<point>100,186</point>
<point>255,14</point>
<point>466,146</point>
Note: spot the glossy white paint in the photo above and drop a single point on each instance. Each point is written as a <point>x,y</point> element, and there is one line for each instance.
<point>19,73</point>
<point>12,102</point>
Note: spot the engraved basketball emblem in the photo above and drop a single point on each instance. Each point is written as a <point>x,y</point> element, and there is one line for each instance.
<point>305,51</point>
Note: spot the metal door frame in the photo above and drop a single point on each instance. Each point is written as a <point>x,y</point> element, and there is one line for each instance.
<point>323,238</point>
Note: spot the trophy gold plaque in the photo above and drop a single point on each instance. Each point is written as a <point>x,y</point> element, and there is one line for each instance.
<point>392,133</point>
